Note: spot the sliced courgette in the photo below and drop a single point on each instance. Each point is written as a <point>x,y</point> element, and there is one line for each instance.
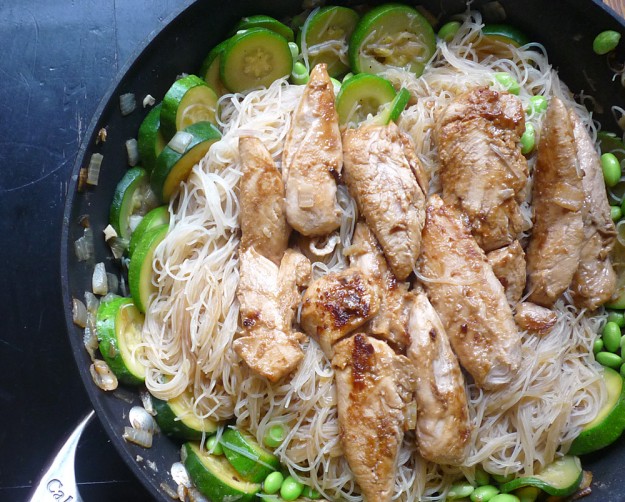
<point>210,69</point>
<point>362,95</point>
<point>560,478</point>
<point>327,33</point>
<point>392,111</point>
<point>185,149</point>
<point>391,36</point>
<point>140,268</point>
<point>150,141</point>
<point>248,458</point>
<point>127,198</point>
<point>118,326</point>
<point>506,34</point>
<point>267,22</point>
<point>188,101</point>
<point>609,423</point>
<point>175,417</point>
<point>255,58</point>
<point>214,477</point>
<point>155,218</point>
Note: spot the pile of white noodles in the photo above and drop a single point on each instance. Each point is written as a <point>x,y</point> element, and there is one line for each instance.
<point>194,317</point>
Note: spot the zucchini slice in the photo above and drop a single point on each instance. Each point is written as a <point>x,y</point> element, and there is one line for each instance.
<point>175,417</point>
<point>391,36</point>
<point>150,141</point>
<point>392,111</point>
<point>506,34</point>
<point>362,95</point>
<point>118,326</point>
<point>127,199</point>
<point>155,218</point>
<point>267,22</point>
<point>560,478</point>
<point>188,101</point>
<point>140,268</point>
<point>210,69</point>
<point>214,477</point>
<point>255,58</point>
<point>177,159</point>
<point>248,458</point>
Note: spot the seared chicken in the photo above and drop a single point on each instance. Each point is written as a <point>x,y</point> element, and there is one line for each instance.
<point>534,318</point>
<point>483,172</point>
<point>374,385</point>
<point>338,303</point>
<point>312,159</point>
<point>509,266</point>
<point>595,280</point>
<point>268,296</point>
<point>391,322</point>
<point>468,297</point>
<point>263,215</point>
<point>558,198</point>
<point>379,173</point>
<point>443,426</point>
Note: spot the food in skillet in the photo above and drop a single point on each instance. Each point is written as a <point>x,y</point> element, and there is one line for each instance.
<point>337,288</point>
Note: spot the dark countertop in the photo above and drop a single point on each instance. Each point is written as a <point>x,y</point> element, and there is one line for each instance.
<point>58,60</point>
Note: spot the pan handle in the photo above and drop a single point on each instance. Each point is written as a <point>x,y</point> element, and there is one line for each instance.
<point>58,482</point>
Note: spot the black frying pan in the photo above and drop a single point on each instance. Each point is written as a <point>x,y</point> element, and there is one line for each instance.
<point>565,27</point>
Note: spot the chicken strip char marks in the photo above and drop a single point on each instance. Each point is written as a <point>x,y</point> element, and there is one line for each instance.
<point>483,172</point>
<point>468,298</point>
<point>312,159</point>
<point>268,297</point>
<point>443,424</point>
<point>594,281</point>
<point>263,215</point>
<point>382,173</point>
<point>374,387</point>
<point>553,253</point>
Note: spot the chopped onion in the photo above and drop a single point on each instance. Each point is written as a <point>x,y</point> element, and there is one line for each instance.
<point>109,233</point>
<point>99,281</point>
<point>90,339</point>
<point>84,246</point>
<point>146,400</point>
<point>102,375</point>
<point>132,150</point>
<point>108,297</point>
<point>180,141</point>
<point>101,136</point>
<point>140,419</point>
<point>138,437</point>
<point>148,100</point>
<point>93,171</point>
<point>112,282</point>
<point>123,290</point>
<point>179,474</point>
<point>196,496</point>
<point>127,103</point>
<point>91,302</point>
<point>118,246</point>
<point>79,313</point>
<point>169,491</point>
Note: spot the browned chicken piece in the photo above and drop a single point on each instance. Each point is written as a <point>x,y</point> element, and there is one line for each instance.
<point>595,280</point>
<point>338,303</point>
<point>391,322</point>
<point>312,159</point>
<point>374,385</point>
<point>263,215</point>
<point>443,425</point>
<point>509,266</point>
<point>558,199</point>
<point>268,297</point>
<point>468,297</point>
<point>483,172</point>
<point>534,318</point>
<point>379,174</point>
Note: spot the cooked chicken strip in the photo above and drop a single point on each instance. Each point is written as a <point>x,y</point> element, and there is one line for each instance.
<point>483,172</point>
<point>338,303</point>
<point>534,318</point>
<point>268,296</point>
<point>509,266</point>
<point>595,280</point>
<point>374,386</point>
<point>468,297</point>
<point>443,425</point>
<point>391,322</point>
<point>312,159</point>
<point>558,199</point>
<point>379,174</point>
<point>263,215</point>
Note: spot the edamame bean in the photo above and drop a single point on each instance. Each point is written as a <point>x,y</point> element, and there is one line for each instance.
<point>623,345</point>
<point>294,50</point>
<point>299,75</point>
<point>448,31</point>
<point>606,41</point>
<point>484,493</point>
<point>538,104</point>
<point>505,497</point>
<point>617,317</point>
<point>275,435</point>
<point>311,493</point>
<point>460,490</point>
<point>481,477</point>
<point>611,336</point>
<point>527,493</point>
<point>508,82</point>
<point>609,359</point>
<point>597,346</point>
<point>503,479</point>
<point>528,139</point>
<point>273,482</point>
<point>214,446</point>
<point>291,488</point>
<point>615,213</point>
<point>611,169</point>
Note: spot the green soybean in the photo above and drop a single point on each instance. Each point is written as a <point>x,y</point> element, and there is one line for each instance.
<point>294,50</point>
<point>481,477</point>
<point>310,493</point>
<point>299,75</point>
<point>273,482</point>
<point>214,446</point>
<point>617,317</point>
<point>484,493</point>
<point>505,497</point>
<point>611,336</point>
<point>274,436</point>
<point>611,169</point>
<point>537,104</point>
<point>503,479</point>
<point>527,493</point>
<point>508,82</point>
<point>291,488</point>
<point>609,359</point>
<point>622,370</point>
<point>606,42</point>
<point>448,31</point>
<point>597,346</point>
<point>615,213</point>
<point>460,490</point>
<point>528,139</point>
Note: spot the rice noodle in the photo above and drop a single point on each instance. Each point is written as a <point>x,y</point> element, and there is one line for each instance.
<point>193,317</point>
